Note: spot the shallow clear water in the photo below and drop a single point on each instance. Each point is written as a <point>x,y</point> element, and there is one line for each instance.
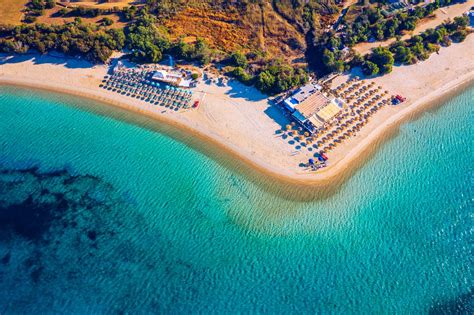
<point>102,216</point>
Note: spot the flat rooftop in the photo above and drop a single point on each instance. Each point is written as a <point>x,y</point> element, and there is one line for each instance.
<point>312,104</point>
<point>329,111</point>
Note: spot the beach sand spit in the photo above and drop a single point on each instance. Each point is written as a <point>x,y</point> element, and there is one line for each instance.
<point>239,127</point>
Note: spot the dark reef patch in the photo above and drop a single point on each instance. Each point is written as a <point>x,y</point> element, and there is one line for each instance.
<point>36,201</point>
<point>59,217</point>
<point>463,304</point>
<point>6,259</point>
<point>92,235</point>
<point>29,218</point>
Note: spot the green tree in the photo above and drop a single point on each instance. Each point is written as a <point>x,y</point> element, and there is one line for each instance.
<point>143,38</point>
<point>50,4</point>
<point>107,21</point>
<point>459,36</point>
<point>357,60</point>
<point>265,81</point>
<point>240,74</point>
<point>370,68</point>
<point>401,54</point>
<point>238,59</point>
<point>202,52</point>
<point>328,58</point>
<point>383,58</point>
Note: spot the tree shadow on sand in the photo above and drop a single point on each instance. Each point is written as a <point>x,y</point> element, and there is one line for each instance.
<point>248,93</point>
<point>52,58</point>
<point>277,115</point>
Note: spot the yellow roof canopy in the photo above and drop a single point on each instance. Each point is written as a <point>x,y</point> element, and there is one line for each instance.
<point>329,111</point>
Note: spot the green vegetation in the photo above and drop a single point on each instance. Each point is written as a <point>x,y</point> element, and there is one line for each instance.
<point>371,68</point>
<point>144,40</point>
<point>278,77</point>
<point>147,38</point>
<point>367,23</point>
<point>238,59</point>
<point>243,76</point>
<point>273,77</point>
<point>198,51</point>
<point>73,39</point>
<point>37,8</point>
<point>417,48</point>
<point>107,21</point>
<point>85,12</point>
<point>383,58</point>
<point>372,24</point>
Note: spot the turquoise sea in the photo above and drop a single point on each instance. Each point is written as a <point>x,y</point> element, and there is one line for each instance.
<point>100,214</point>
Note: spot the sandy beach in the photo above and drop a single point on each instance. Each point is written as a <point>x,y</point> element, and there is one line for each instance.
<point>238,122</point>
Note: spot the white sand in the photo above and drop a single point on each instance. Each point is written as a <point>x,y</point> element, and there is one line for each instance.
<point>238,120</point>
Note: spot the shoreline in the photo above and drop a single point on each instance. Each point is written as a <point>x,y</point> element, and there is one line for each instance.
<point>280,180</point>
<point>325,178</point>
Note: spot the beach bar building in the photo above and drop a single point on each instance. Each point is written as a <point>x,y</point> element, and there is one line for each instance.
<point>173,78</point>
<point>170,78</point>
<point>311,108</point>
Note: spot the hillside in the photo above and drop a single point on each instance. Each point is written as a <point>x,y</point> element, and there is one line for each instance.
<point>276,27</point>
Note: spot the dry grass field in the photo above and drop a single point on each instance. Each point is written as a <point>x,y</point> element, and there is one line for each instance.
<point>250,27</point>
<point>259,28</point>
<point>11,11</point>
<point>50,18</point>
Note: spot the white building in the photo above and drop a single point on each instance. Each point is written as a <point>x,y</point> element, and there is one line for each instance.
<point>311,108</point>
